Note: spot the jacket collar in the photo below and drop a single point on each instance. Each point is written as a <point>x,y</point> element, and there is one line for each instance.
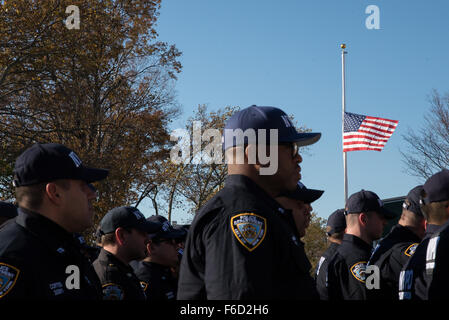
<point>241,181</point>
<point>404,234</point>
<point>48,232</point>
<point>350,238</point>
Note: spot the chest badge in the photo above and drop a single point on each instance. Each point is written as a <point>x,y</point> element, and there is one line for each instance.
<point>112,291</point>
<point>249,229</point>
<point>358,271</point>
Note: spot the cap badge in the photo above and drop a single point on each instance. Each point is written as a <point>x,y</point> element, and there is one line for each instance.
<point>75,159</point>
<point>287,121</point>
<point>138,214</point>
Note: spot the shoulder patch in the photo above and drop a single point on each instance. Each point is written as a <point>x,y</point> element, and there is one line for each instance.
<point>249,229</point>
<point>144,285</point>
<point>411,249</point>
<point>112,291</point>
<point>358,271</point>
<point>8,278</point>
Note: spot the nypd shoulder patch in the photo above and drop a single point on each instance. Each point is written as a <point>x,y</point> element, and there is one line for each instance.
<point>411,249</point>
<point>112,291</point>
<point>144,285</point>
<point>358,271</point>
<point>8,278</point>
<point>249,229</point>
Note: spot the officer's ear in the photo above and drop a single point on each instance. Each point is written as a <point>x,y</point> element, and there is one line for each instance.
<point>363,218</point>
<point>52,191</point>
<point>251,154</point>
<point>121,235</point>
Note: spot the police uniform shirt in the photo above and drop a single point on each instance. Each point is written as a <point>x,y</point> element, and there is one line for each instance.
<point>437,264</point>
<point>413,280</point>
<point>40,260</point>
<point>391,255</point>
<point>239,247</point>
<point>117,279</point>
<point>330,251</point>
<point>156,280</point>
<point>345,272</point>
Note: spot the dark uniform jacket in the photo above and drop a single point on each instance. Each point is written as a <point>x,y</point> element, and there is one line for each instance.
<point>239,247</point>
<point>437,264</point>
<point>330,251</point>
<point>344,273</point>
<point>156,280</point>
<point>391,255</point>
<point>413,279</point>
<point>117,278</point>
<point>40,260</point>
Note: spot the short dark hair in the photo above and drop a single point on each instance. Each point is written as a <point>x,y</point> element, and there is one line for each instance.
<point>31,196</point>
<point>109,238</point>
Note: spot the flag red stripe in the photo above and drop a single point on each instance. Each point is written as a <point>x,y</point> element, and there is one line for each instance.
<point>376,134</point>
<point>352,136</point>
<point>375,129</point>
<point>383,119</point>
<point>380,145</point>
<point>384,125</point>
<point>355,149</point>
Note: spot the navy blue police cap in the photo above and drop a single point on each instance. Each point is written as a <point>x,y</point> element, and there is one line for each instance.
<point>256,118</point>
<point>336,222</point>
<point>7,210</point>
<point>412,203</point>
<point>129,218</point>
<point>52,161</point>
<point>436,188</point>
<point>364,201</point>
<point>303,193</point>
<point>165,230</point>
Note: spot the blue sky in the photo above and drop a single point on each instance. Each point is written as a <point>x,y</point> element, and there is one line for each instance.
<point>287,54</point>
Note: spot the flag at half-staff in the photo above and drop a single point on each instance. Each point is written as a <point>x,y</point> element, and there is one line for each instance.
<point>366,133</point>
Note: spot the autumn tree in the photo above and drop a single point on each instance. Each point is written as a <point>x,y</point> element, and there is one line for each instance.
<point>315,240</point>
<point>188,184</point>
<point>427,148</point>
<point>104,90</point>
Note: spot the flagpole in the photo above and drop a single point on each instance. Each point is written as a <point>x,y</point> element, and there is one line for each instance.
<point>343,104</point>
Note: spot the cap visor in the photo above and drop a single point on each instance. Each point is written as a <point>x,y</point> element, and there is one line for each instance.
<point>306,139</point>
<point>313,195</point>
<point>307,195</point>
<point>94,174</point>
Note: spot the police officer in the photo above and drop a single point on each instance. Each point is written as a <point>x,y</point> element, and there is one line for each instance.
<point>39,257</point>
<point>345,272</point>
<point>154,272</point>
<point>239,246</point>
<point>124,237</point>
<point>335,230</point>
<point>416,276</point>
<point>393,251</point>
<point>298,215</point>
<point>7,211</point>
<point>299,203</point>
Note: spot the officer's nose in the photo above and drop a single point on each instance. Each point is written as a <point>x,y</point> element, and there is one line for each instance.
<point>298,158</point>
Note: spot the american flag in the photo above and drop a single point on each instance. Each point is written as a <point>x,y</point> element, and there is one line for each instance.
<point>366,133</point>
